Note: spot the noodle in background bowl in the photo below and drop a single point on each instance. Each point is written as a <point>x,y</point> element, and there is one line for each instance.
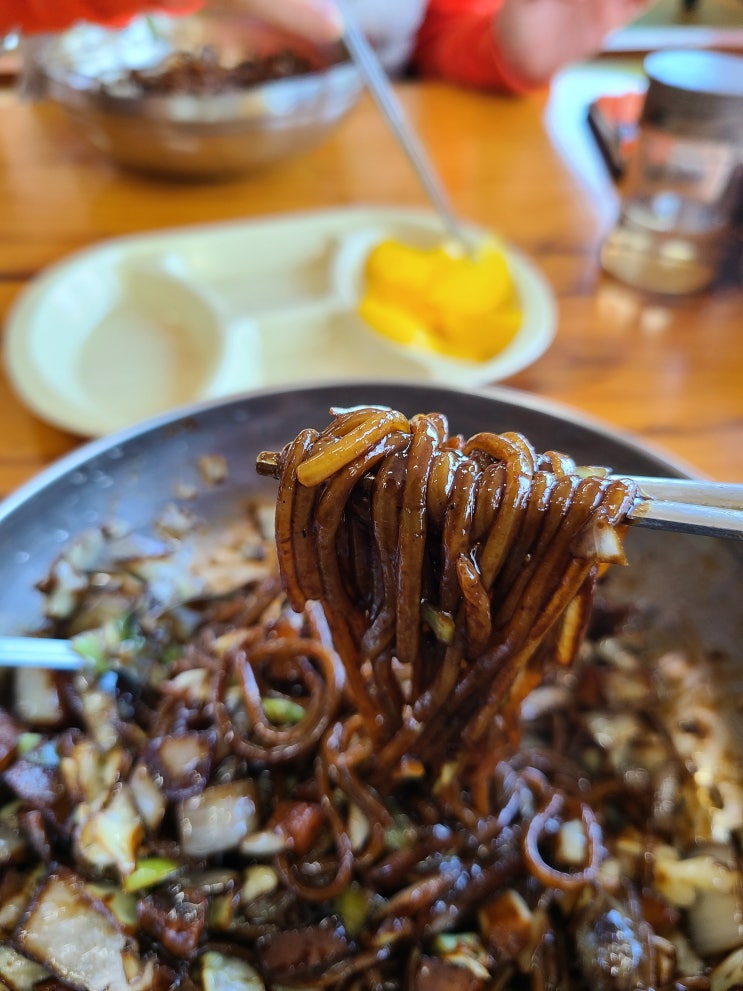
<point>198,136</point>
<point>690,584</point>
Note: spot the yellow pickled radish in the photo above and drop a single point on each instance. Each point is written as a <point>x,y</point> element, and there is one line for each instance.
<point>400,325</point>
<point>436,300</point>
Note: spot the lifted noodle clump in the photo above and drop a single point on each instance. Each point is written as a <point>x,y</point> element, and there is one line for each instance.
<point>445,566</point>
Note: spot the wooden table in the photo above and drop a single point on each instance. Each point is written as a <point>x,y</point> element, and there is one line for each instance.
<point>671,372</point>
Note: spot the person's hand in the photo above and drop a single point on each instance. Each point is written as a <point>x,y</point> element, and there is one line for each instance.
<point>537,37</point>
<point>317,20</point>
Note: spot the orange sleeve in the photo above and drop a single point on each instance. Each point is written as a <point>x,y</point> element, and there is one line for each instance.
<point>456,41</point>
<point>33,16</point>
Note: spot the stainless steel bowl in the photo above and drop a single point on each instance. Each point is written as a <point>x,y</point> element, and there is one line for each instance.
<point>689,585</point>
<point>193,136</point>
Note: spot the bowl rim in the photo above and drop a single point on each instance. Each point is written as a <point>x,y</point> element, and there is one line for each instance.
<point>63,80</point>
<point>89,450</point>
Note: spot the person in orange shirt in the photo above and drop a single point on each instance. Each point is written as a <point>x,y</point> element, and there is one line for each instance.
<point>40,16</point>
<point>508,45</point>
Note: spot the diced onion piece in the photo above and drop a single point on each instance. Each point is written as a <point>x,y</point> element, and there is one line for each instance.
<point>133,548</point>
<point>571,845</point>
<point>78,941</point>
<point>434,973</point>
<point>684,880</point>
<point>260,879</point>
<point>148,798</point>
<point>36,697</point>
<point>728,973</point>
<point>616,733</point>
<point>222,973</point>
<point>63,590</point>
<point>265,515</point>
<point>543,700</point>
<point>90,774</point>
<point>16,899</point>
<point>715,924</point>
<point>176,521</point>
<point>266,843</point>
<point>18,972</point>
<point>182,760</point>
<point>87,551</point>
<point>12,844</point>
<point>110,838</point>
<point>358,828</point>
<point>192,686</point>
<point>101,717</point>
<point>599,541</point>
<point>213,468</point>
<point>463,950</point>
<point>217,819</point>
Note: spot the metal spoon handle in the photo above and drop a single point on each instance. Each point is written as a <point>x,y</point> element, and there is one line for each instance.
<point>39,652</point>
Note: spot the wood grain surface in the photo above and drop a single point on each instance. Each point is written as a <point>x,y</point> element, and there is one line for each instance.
<point>668,371</point>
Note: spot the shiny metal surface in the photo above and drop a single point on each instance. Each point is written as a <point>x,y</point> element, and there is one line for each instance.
<point>689,582</point>
<point>712,508</point>
<point>186,135</point>
<point>377,81</point>
<point>39,652</point>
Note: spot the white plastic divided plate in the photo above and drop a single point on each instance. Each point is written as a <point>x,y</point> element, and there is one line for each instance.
<point>138,325</point>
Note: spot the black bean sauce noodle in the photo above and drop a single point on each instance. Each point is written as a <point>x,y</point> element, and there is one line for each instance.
<point>387,770</point>
<point>459,563</point>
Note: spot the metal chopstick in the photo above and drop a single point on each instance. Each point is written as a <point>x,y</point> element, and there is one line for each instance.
<point>39,652</point>
<point>378,84</point>
<point>685,517</point>
<point>691,506</point>
<point>727,495</point>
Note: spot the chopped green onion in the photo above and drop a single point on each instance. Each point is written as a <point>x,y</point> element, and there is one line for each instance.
<point>399,837</point>
<point>221,912</point>
<point>28,741</point>
<point>173,652</point>
<point>122,905</point>
<point>440,622</point>
<point>149,872</point>
<point>283,711</point>
<point>89,645</point>
<point>353,907</point>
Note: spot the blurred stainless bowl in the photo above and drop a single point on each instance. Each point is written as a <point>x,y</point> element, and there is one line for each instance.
<point>221,134</point>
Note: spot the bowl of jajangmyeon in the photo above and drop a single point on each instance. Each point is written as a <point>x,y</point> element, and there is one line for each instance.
<point>415,706</point>
<point>210,96</point>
